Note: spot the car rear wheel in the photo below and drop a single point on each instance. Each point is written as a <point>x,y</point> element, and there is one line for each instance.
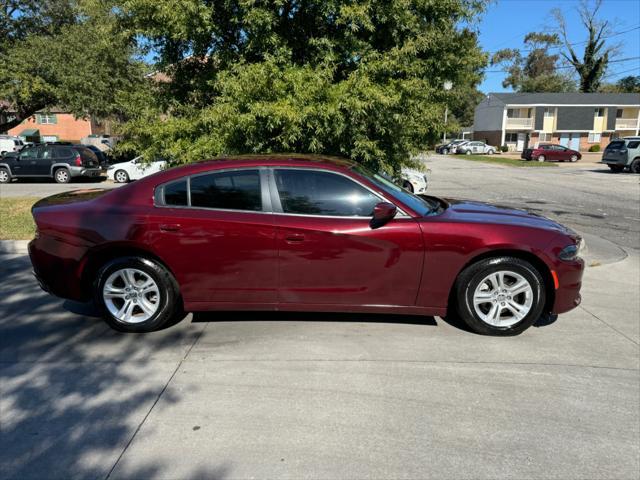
<point>573,158</point>
<point>136,294</point>
<point>5,177</point>
<point>635,166</point>
<point>616,168</point>
<point>500,296</point>
<point>62,175</point>
<point>121,176</point>
<point>541,158</point>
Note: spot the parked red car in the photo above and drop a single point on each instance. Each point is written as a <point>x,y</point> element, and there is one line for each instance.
<point>302,234</point>
<point>551,152</point>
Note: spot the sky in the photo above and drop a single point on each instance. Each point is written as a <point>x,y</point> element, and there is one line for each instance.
<point>506,22</point>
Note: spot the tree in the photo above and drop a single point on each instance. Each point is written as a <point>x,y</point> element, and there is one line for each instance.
<point>361,79</point>
<point>596,56</point>
<point>628,84</point>
<point>538,70</point>
<point>62,53</point>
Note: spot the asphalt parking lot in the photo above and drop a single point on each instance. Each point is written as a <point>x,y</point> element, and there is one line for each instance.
<point>266,395</point>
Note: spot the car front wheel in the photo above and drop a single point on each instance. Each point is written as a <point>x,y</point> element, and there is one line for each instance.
<point>136,294</point>
<point>541,158</point>
<point>635,166</point>
<point>574,158</point>
<point>121,176</point>
<point>4,176</point>
<point>500,296</point>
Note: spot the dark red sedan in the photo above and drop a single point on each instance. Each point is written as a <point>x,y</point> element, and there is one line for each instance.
<point>551,152</point>
<point>302,234</point>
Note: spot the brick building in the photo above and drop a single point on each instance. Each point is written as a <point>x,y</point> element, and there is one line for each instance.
<point>55,125</point>
<point>575,120</point>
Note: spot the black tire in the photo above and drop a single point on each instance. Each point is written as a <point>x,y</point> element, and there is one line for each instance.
<point>408,186</point>
<point>573,158</point>
<point>616,168</point>
<point>62,175</point>
<point>472,276</point>
<point>635,166</point>
<point>5,176</point>
<point>121,176</point>
<point>169,304</point>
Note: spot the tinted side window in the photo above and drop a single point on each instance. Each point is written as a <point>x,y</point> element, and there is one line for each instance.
<point>633,144</point>
<point>237,190</point>
<point>176,193</point>
<point>323,193</point>
<point>618,144</point>
<point>30,153</point>
<point>62,152</point>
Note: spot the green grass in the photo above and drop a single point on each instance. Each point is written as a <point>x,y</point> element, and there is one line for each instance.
<point>497,159</point>
<point>16,222</point>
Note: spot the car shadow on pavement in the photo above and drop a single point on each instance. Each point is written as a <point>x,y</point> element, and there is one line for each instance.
<point>271,316</point>
<point>73,392</point>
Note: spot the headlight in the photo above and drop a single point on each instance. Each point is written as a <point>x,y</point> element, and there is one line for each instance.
<point>111,167</point>
<point>573,252</point>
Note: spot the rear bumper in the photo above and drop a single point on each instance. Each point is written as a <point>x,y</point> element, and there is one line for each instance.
<point>58,274</point>
<point>85,172</point>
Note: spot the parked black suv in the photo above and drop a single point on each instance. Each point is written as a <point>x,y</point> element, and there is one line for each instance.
<point>59,161</point>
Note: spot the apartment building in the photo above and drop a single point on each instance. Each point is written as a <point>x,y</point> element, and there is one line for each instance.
<point>575,120</point>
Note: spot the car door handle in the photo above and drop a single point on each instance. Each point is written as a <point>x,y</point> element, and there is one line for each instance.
<point>170,227</point>
<point>294,237</point>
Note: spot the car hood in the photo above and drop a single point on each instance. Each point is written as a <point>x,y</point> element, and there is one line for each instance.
<point>478,212</point>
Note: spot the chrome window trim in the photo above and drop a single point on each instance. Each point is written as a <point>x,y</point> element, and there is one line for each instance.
<point>401,212</point>
<point>187,178</point>
<point>273,202</point>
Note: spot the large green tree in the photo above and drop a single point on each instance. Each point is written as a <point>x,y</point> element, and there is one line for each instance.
<point>361,79</point>
<point>535,68</point>
<point>69,54</point>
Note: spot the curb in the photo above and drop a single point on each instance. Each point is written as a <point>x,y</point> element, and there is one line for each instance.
<point>14,246</point>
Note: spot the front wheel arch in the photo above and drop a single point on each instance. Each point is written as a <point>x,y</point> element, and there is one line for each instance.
<point>534,260</point>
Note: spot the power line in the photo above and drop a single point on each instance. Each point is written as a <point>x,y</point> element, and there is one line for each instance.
<point>616,34</point>
<point>563,67</point>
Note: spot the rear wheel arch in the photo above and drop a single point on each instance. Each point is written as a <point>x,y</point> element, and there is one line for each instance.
<point>534,260</point>
<point>100,256</point>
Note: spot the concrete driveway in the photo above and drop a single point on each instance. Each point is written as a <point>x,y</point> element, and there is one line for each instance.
<point>265,395</point>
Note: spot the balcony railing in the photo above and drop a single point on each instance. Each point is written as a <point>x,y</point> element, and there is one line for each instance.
<point>626,123</point>
<point>520,123</point>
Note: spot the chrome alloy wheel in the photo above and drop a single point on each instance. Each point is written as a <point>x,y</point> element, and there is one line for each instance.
<point>121,176</point>
<point>503,298</point>
<point>131,295</point>
<point>4,176</point>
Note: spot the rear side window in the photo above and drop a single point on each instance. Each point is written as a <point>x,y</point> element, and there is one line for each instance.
<point>62,152</point>
<point>234,190</point>
<point>87,155</point>
<point>176,194</point>
<point>617,144</point>
<point>309,192</point>
<point>633,144</point>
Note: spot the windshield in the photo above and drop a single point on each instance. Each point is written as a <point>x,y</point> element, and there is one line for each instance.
<point>420,205</point>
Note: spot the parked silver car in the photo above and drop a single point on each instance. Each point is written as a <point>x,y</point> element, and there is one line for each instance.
<point>623,153</point>
<point>475,147</point>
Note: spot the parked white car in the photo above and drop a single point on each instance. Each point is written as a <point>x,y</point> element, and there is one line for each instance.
<point>133,170</point>
<point>475,147</point>
<point>414,180</point>
<point>10,144</point>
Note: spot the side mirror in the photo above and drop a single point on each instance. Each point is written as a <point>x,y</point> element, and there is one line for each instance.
<point>382,213</point>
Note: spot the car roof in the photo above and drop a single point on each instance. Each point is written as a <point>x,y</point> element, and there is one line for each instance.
<point>283,159</point>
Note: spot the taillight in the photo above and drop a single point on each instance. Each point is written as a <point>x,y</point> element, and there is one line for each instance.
<point>78,160</point>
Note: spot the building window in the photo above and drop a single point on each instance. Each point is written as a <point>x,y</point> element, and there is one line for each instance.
<point>548,112</point>
<point>594,137</point>
<point>546,137</point>
<point>619,113</point>
<point>510,137</point>
<point>46,118</point>
<point>599,112</point>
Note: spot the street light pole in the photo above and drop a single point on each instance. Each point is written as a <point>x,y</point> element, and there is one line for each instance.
<point>447,86</point>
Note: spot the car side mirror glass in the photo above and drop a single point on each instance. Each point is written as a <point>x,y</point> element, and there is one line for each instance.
<point>382,213</point>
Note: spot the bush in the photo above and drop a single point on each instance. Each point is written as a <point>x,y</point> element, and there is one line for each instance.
<point>594,148</point>
<point>504,148</point>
